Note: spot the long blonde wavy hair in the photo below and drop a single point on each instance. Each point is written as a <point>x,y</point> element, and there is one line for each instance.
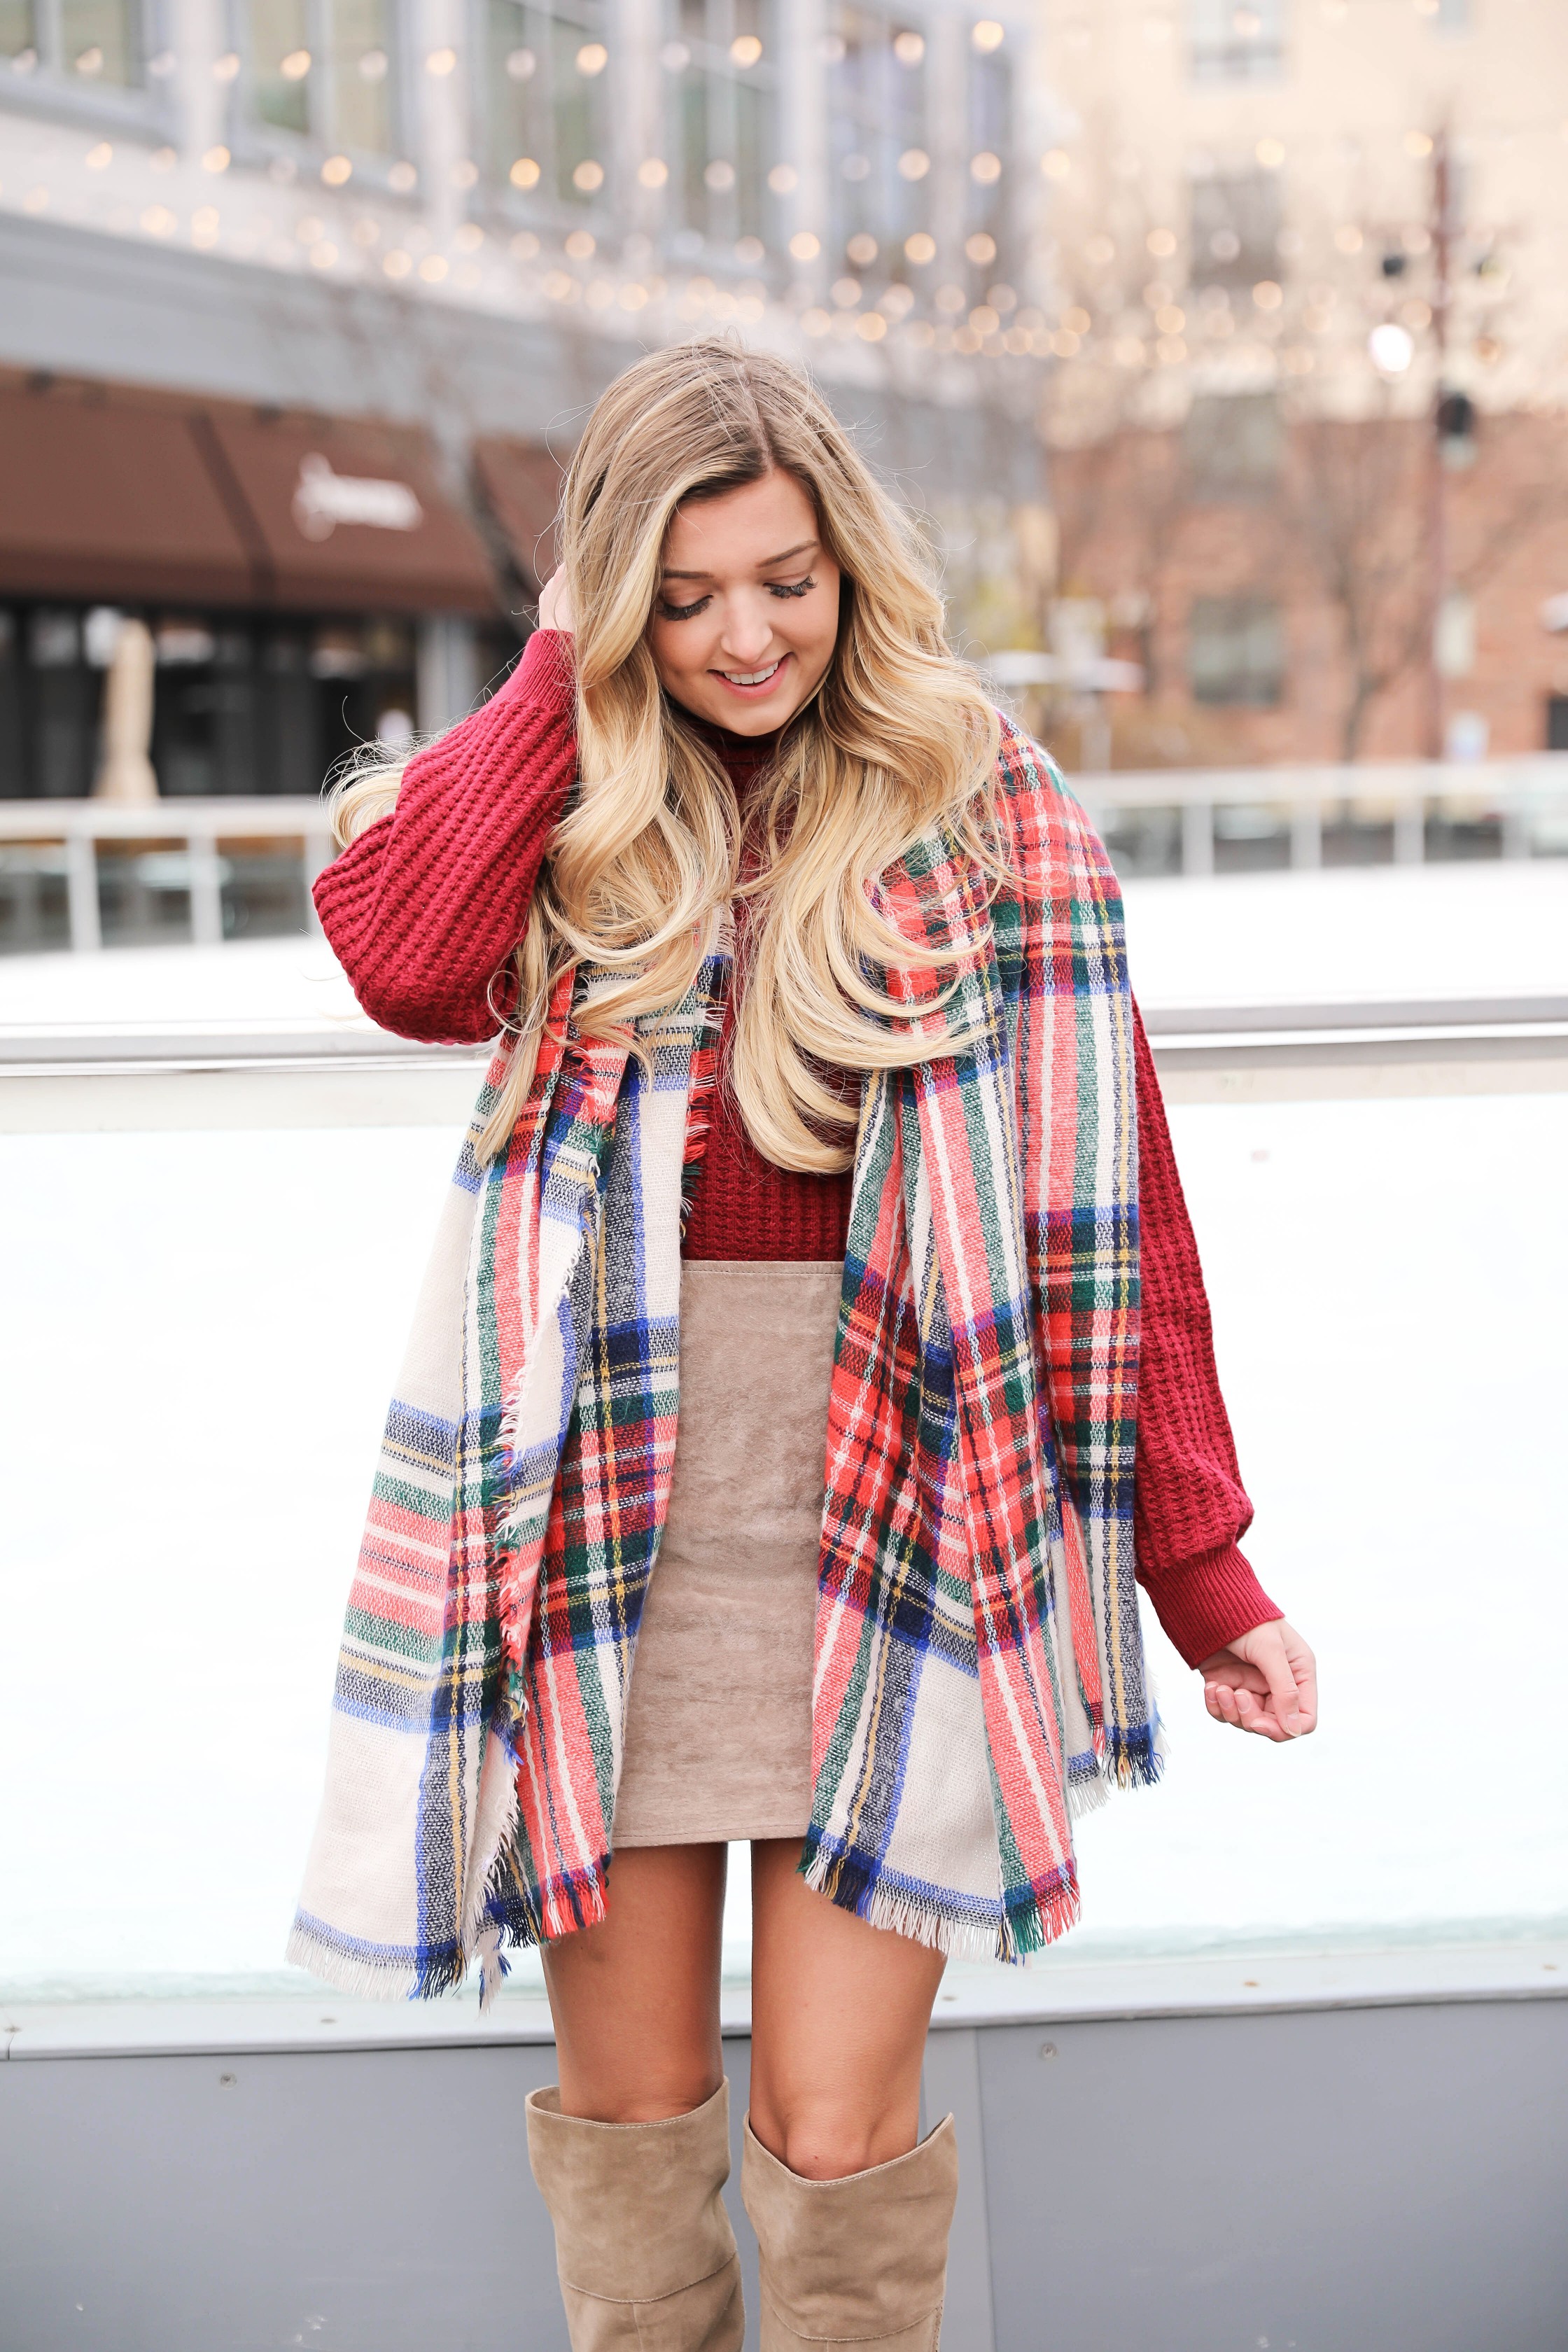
<point>899,736</point>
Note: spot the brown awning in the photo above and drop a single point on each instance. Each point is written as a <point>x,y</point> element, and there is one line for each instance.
<point>109,493</point>
<point>521,483</point>
<point>106,504</point>
<point>351,516</point>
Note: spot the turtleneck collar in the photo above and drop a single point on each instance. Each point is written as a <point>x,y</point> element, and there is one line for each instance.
<point>743,756</point>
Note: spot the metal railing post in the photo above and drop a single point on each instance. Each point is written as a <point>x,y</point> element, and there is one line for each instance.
<point>316,856</point>
<point>82,890</point>
<point>1306,834</point>
<point>206,889</point>
<point>1410,833</point>
<point>1197,837</point>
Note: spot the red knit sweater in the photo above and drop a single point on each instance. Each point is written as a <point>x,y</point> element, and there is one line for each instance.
<point>423,911</point>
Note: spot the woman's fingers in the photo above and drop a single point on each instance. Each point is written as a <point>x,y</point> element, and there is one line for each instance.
<point>554,605</point>
<point>1264,1682</point>
<point>1267,1652</point>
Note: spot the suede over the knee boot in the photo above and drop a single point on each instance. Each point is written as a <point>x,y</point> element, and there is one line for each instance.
<point>860,2261</point>
<point>644,2249</point>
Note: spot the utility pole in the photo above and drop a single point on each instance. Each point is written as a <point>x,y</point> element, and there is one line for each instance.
<point>1437,519</point>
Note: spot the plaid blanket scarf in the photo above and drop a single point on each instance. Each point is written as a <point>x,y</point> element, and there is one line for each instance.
<point>979,1673</point>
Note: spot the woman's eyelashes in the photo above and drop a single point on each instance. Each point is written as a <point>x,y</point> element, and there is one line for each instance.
<point>668,612</point>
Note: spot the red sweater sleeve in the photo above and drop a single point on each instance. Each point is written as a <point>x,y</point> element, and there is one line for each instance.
<point>422,911</point>
<point>1190,1507</point>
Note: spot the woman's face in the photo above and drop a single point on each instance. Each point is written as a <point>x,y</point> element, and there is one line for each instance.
<point>746,617</point>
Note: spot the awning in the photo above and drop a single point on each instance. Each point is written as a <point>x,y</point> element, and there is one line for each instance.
<point>521,481</point>
<point>111,504</point>
<point>115,495</point>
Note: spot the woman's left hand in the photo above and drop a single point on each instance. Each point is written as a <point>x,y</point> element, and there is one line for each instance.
<point>1265,1681</point>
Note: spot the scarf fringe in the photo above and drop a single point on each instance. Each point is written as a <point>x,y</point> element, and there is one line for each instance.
<point>371,1980</point>
<point>1134,1754</point>
<point>1029,1928</point>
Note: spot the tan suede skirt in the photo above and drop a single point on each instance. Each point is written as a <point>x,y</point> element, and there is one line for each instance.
<point>718,1717</point>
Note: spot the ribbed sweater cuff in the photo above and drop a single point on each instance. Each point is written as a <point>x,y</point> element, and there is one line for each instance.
<point>1205,1601</point>
<point>546,675</point>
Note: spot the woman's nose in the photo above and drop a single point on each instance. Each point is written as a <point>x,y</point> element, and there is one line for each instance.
<point>748,632</point>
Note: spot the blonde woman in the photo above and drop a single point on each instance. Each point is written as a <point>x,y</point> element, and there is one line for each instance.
<point>783,1337</point>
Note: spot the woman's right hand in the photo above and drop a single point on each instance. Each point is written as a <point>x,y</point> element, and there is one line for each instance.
<point>555,604</point>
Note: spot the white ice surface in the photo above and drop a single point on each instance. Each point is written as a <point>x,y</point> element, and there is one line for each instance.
<point>1360,934</point>
<point>203,1330</point>
<point>257,984</point>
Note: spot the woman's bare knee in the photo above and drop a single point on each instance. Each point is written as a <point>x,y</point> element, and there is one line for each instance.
<point>831,2144</point>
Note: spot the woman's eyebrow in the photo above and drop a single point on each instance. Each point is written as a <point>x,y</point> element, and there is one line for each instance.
<point>767,564</point>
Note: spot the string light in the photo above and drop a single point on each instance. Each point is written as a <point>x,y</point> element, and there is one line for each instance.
<point>99,158</point>
<point>1056,163</point>
<point>592,58</point>
<point>653,171</point>
<point>784,179</point>
<point>804,247</point>
<point>295,66</point>
<point>745,50</point>
<point>433,268</point>
<point>913,163</point>
<point>337,171</point>
<point>588,178</point>
<point>985,168</point>
<point>524,173</point>
<point>441,62</point>
<point>919,249</point>
<point>216,159</point>
<point>396,263</point>
<point>402,179</point>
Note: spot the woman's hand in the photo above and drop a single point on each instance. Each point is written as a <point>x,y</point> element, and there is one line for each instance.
<point>555,605</point>
<point>1265,1681</point>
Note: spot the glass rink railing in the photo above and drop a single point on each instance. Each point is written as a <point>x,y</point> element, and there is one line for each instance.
<point>217,1211</point>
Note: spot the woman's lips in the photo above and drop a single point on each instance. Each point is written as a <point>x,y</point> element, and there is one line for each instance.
<point>760,686</point>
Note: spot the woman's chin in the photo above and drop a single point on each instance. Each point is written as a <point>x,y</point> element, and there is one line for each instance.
<point>739,713</point>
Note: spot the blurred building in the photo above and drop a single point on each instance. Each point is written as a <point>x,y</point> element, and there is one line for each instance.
<point>302,303</point>
<point>1308,440</point>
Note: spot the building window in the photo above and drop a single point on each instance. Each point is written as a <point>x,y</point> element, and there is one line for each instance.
<point>880,158</point>
<point>721,64</point>
<point>242,704</point>
<point>547,94</point>
<point>84,59</point>
<point>1235,228</point>
<point>326,71</point>
<point>1234,443</point>
<point>1231,43</point>
<point>1236,651</point>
